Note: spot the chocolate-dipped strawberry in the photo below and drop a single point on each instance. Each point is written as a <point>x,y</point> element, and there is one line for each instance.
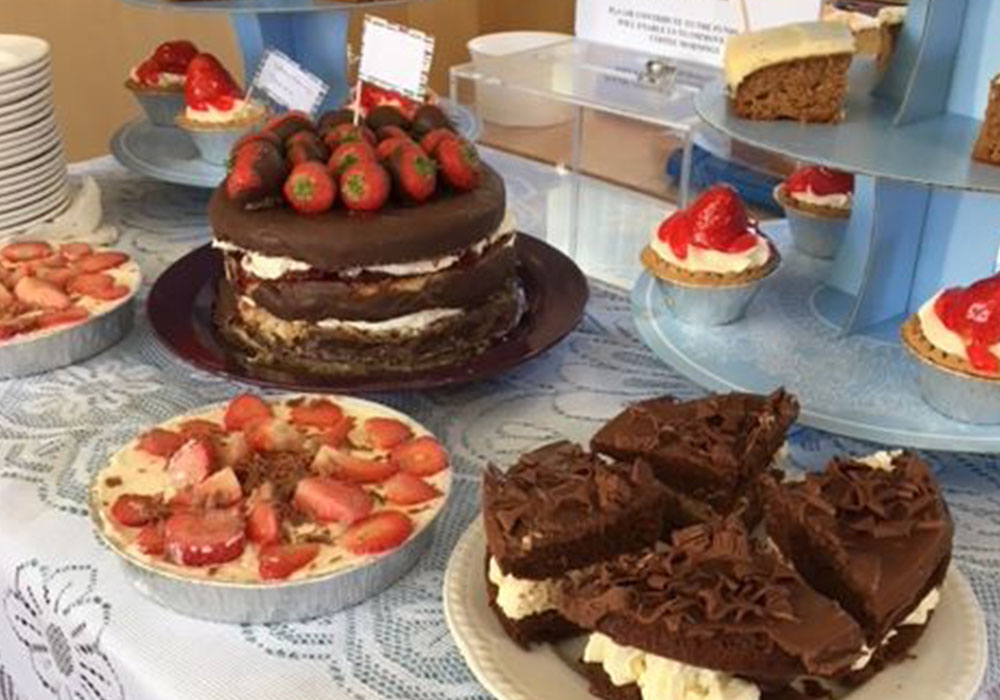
<point>386,115</point>
<point>428,118</point>
<point>414,174</point>
<point>290,123</point>
<point>305,146</point>
<point>257,173</point>
<point>333,118</point>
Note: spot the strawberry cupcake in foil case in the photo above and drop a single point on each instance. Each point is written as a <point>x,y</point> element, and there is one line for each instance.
<point>818,203</point>
<point>955,338</point>
<point>158,82</point>
<point>217,113</point>
<point>710,259</point>
<point>259,511</point>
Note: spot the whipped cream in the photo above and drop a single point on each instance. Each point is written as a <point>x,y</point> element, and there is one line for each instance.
<point>707,260</point>
<point>660,678</point>
<point>519,597</point>
<point>917,617</point>
<point>881,460</point>
<point>942,337</point>
<point>163,80</point>
<point>836,200</point>
<point>747,53</point>
<point>213,115</point>
<point>272,267</point>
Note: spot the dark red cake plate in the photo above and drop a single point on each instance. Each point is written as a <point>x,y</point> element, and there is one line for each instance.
<point>180,311</point>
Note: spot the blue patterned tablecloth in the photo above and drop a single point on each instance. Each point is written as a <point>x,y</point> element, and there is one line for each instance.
<point>72,627</point>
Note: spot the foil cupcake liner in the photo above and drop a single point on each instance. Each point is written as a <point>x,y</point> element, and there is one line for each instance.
<point>214,145</point>
<point>963,397</point>
<point>67,346</point>
<point>161,108</point>
<point>704,305</point>
<point>814,235</point>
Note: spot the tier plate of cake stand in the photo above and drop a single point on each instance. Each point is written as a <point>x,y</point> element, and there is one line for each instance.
<point>168,154</point>
<point>181,302</point>
<point>863,386</point>
<point>948,661</point>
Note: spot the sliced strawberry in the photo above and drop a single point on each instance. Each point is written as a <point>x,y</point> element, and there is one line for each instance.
<point>199,428</point>
<point>26,250</point>
<point>263,523</point>
<point>59,276</point>
<point>10,329</point>
<point>161,443</point>
<point>75,251</point>
<point>232,448</point>
<point>386,433</point>
<point>40,293</point>
<point>405,489</point>
<point>6,298</point>
<point>378,533</point>
<point>192,463</point>
<point>273,435</point>
<point>183,501</point>
<point>279,561</point>
<point>151,540</point>
<point>51,319</point>
<point>90,282</point>
<point>220,490</point>
<point>346,467</point>
<point>328,500</point>
<point>422,456</point>
<point>99,262</point>
<point>201,539</point>
<point>119,291</point>
<point>317,413</point>
<point>337,435</point>
<point>244,410</point>
<point>136,510</point>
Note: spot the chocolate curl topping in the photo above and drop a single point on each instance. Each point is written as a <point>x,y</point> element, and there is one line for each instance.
<point>875,502</point>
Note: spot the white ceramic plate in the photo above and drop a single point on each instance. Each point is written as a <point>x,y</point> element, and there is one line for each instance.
<point>38,73</point>
<point>20,216</point>
<point>16,95</point>
<point>53,155</point>
<point>949,662</point>
<point>29,132</point>
<point>7,231</point>
<point>35,180</point>
<point>18,51</point>
<point>30,102</point>
<point>28,150</point>
<point>24,118</point>
<point>26,196</point>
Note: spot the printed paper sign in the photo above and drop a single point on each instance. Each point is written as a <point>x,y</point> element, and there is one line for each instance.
<point>288,83</point>
<point>395,57</point>
<point>694,30</point>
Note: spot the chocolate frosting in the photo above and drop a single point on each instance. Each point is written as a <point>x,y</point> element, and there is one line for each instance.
<point>339,239</point>
<point>713,586</point>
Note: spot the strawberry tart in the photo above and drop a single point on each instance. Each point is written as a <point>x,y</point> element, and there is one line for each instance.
<point>710,258</point>
<point>217,112</point>
<point>818,203</point>
<point>955,336</point>
<point>61,302</point>
<point>352,252</point>
<point>158,82</point>
<point>258,496</point>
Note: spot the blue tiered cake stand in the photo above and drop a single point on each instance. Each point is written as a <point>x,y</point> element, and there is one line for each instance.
<point>313,32</point>
<point>926,216</point>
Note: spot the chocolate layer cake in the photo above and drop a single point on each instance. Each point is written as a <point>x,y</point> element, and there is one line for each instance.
<point>987,148</point>
<point>796,71</point>
<point>874,534</point>
<point>713,613</point>
<point>708,453</point>
<point>559,508</point>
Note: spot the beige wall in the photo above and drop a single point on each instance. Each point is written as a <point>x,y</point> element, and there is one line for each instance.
<point>96,41</point>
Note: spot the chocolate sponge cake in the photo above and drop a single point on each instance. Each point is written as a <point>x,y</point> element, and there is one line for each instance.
<point>712,614</point>
<point>876,535</point>
<point>559,508</point>
<point>708,453</point>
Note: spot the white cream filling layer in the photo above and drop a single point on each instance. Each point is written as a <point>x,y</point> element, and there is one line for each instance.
<point>660,678</point>
<point>213,115</point>
<point>942,337</point>
<point>843,200</point>
<point>747,53</point>
<point>163,80</point>
<point>707,260</point>
<point>271,267</point>
<point>880,460</point>
<point>518,597</point>
<point>919,617</point>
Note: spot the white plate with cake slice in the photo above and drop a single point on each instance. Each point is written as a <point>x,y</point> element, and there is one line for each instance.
<point>948,661</point>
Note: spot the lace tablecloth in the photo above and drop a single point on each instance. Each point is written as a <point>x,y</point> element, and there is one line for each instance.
<point>71,625</point>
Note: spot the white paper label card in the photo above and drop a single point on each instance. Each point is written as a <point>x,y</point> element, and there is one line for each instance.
<point>395,57</point>
<point>692,30</point>
<point>289,84</point>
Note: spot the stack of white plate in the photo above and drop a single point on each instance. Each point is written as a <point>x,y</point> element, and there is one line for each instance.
<point>33,182</point>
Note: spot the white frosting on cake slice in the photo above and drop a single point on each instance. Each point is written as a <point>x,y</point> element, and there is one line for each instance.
<point>748,53</point>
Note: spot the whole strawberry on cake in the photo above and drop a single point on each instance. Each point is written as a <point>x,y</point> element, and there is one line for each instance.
<point>354,249</point>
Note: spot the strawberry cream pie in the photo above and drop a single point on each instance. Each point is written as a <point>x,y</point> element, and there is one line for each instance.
<point>710,258</point>
<point>217,112</point>
<point>258,493</point>
<point>158,82</point>
<point>818,203</point>
<point>956,338</point>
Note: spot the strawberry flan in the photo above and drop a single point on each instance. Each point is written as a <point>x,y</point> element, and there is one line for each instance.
<point>157,83</point>
<point>956,337</point>
<point>263,492</point>
<point>818,203</point>
<point>710,258</point>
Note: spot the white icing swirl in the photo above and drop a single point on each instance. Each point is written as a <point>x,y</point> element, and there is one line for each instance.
<point>707,260</point>
<point>836,200</point>
<point>163,80</point>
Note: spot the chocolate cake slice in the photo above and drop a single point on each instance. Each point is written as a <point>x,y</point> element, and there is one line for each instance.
<point>559,508</point>
<point>876,535</point>
<point>708,452</point>
<point>713,614</point>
